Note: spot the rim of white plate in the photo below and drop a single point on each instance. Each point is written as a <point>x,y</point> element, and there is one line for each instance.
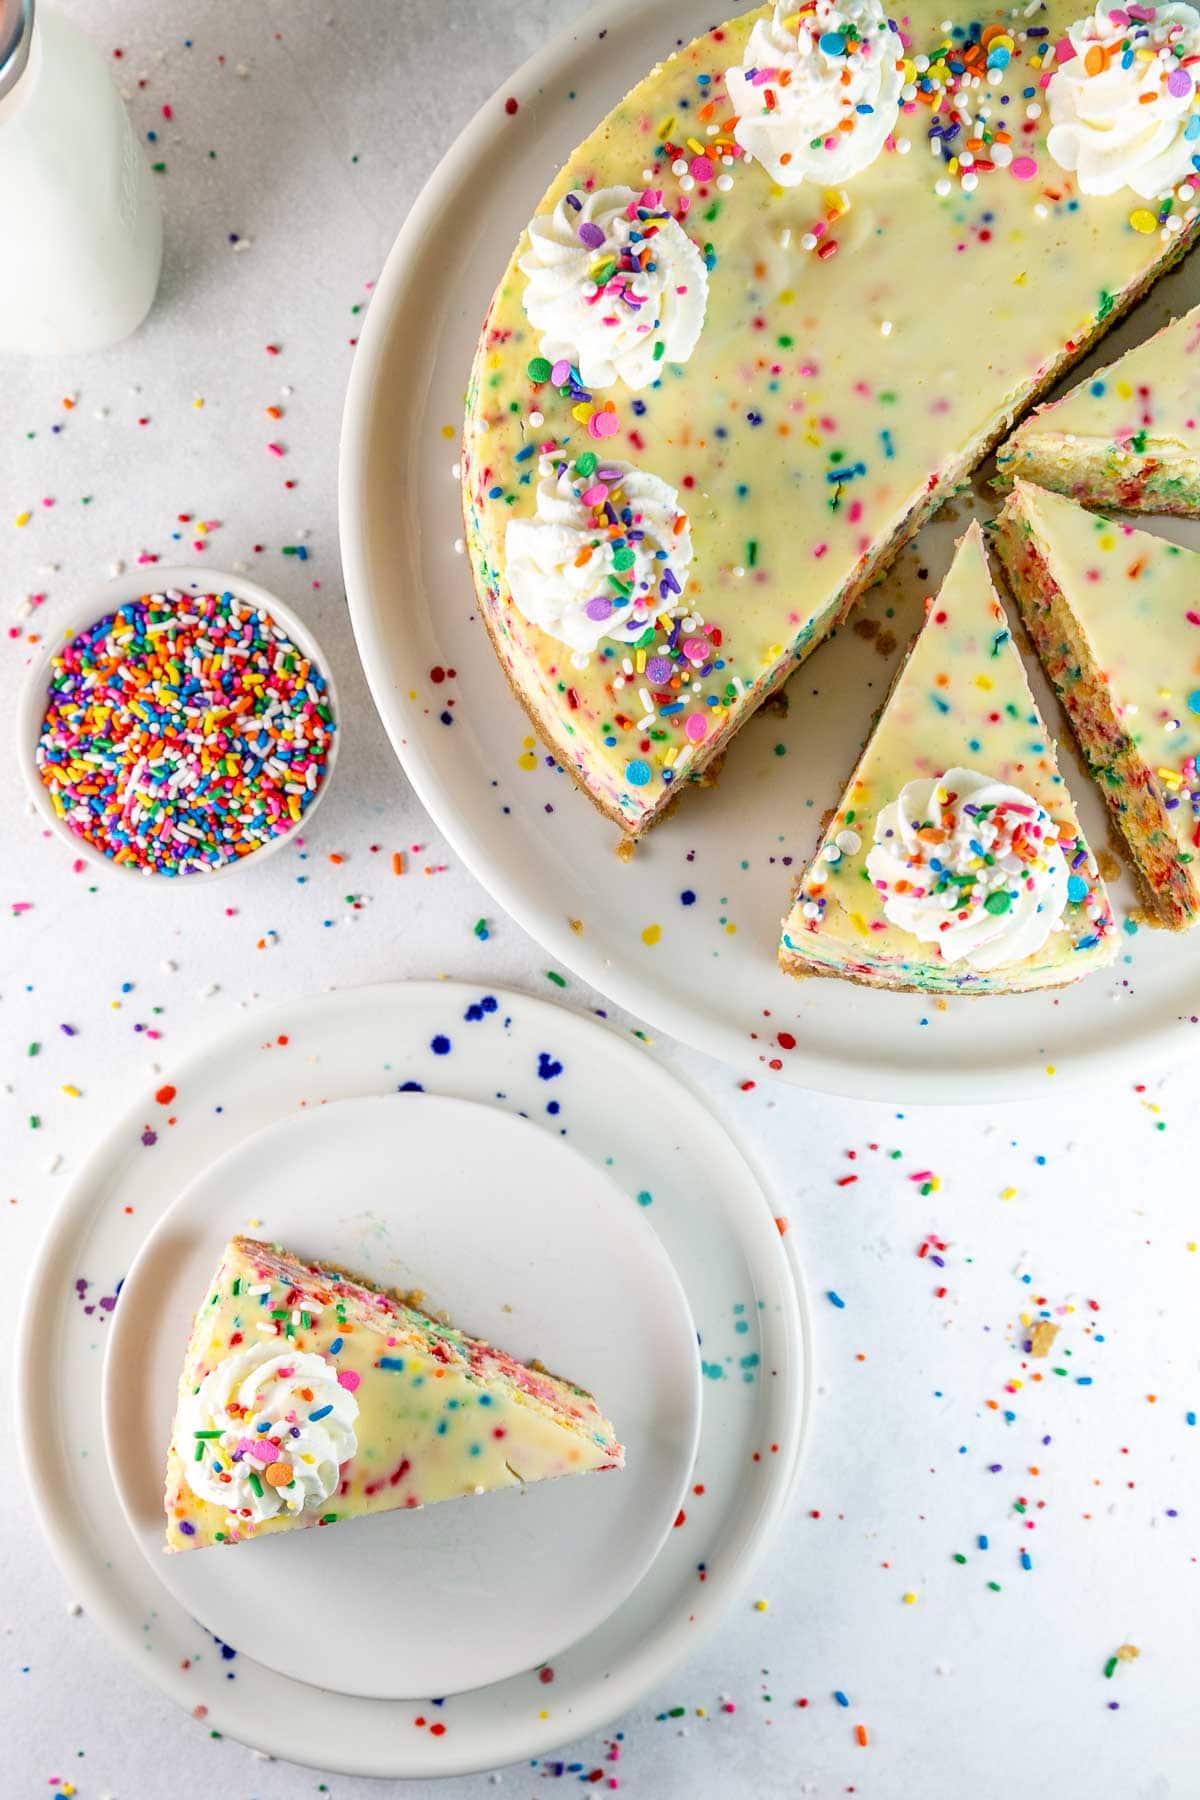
<point>864,1072</point>
<point>607,1698</point>
<point>102,600</point>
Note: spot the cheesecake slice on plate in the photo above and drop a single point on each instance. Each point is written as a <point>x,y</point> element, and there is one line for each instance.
<point>309,1396</point>
<point>955,862</point>
<point>1115,615</point>
<point>1127,437</point>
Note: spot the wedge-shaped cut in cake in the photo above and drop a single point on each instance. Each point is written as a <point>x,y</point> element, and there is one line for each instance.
<point>1128,437</point>
<point>309,1396</point>
<point>755,334</point>
<point>1115,616</point>
<point>955,862</point>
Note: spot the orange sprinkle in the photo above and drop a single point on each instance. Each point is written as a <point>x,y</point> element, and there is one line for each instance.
<point>860,1735</point>
<point>397,862</point>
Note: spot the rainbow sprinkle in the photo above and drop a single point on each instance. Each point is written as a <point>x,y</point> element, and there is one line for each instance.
<point>182,732</point>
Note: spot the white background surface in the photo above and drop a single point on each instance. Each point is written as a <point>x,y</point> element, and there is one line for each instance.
<point>963,1690</point>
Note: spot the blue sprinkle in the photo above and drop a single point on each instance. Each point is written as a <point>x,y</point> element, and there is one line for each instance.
<point>840,1697</point>
<point>440,1045</point>
<point>322,1412</point>
<point>1026,1560</point>
<point>391,1362</point>
<point>336,1345</point>
<point>835,1299</point>
<point>982,1541</point>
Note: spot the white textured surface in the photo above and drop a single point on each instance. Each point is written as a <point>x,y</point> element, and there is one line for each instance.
<point>964,1691</point>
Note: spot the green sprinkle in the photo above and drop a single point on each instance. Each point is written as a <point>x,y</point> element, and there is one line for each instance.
<point>556,978</point>
<point>1110,1668</point>
<point>995,1586</point>
<point>206,1434</point>
<point>585,464</point>
<point>329,1518</point>
<point>255,1485</point>
<point>33,1049</point>
<point>538,369</point>
<point>959,1557</point>
<point>752,552</point>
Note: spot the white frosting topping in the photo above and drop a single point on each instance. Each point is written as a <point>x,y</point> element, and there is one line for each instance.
<point>971,865</point>
<point>577,578</point>
<point>616,287</point>
<point>1121,106</point>
<point>309,1419</point>
<point>819,89</point>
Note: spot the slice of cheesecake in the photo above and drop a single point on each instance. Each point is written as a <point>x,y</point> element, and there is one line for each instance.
<point>955,862</point>
<point>1115,616</point>
<point>1128,436</point>
<point>309,1396</point>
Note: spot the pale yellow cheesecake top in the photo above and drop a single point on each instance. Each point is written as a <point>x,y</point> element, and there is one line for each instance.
<point>955,862</point>
<point>1147,399</point>
<point>714,382</point>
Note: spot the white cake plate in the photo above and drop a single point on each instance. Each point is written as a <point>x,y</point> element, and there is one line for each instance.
<point>685,934</point>
<point>507,1230</point>
<point>574,1080</point>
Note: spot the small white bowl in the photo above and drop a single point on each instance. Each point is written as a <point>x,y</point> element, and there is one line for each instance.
<point>31,705</point>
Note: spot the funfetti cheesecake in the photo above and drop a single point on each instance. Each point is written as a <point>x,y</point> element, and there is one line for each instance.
<point>309,1397</point>
<point>1127,437</point>
<point>955,862</point>
<point>771,312</point>
<point>1115,616</point>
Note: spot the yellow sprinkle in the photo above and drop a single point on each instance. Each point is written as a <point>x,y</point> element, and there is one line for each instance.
<point>1124,390</point>
<point>1169,777</point>
<point>664,130</point>
<point>695,146</point>
<point>1008,1193</point>
<point>1106,541</point>
<point>984,682</point>
<point>447,431</point>
<point>639,662</point>
<point>786,298</point>
<point>1128,1653</point>
<point>527,760</point>
<point>23,518</point>
<point>1143,221</point>
<point>582,412</point>
<point>72,1093</point>
<point>1050,1069</point>
<point>651,935</point>
<point>731,930</point>
<point>909,1599</point>
<point>774,652</point>
<point>760,1606</point>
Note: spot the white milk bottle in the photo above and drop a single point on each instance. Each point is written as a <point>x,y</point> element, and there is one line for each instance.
<point>80,224</point>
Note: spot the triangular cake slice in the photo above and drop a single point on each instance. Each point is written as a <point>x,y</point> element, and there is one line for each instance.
<point>309,1396</point>
<point>955,862</point>
<point>1115,616</point>
<point>1128,436</point>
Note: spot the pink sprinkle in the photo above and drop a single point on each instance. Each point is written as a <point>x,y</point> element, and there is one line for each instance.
<point>696,727</point>
<point>1193,618</point>
<point>603,425</point>
<point>167,113</point>
<point>348,1379</point>
<point>1023,167</point>
<point>1064,50</point>
<point>278,450</point>
<point>702,168</point>
<point>595,494</point>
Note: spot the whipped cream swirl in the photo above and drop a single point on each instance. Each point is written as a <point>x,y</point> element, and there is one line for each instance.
<point>971,865</point>
<point>278,1415</point>
<point>1122,105</point>
<point>606,552</point>
<point>616,287</point>
<point>819,89</point>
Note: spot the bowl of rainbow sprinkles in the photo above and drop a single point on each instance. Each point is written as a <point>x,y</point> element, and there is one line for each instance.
<point>178,730</point>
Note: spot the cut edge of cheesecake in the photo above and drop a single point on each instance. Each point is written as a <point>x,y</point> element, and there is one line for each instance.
<point>251,1271</point>
<point>1026,976</point>
<point>1162,476</point>
<point>1055,622</point>
<point>551,726</point>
